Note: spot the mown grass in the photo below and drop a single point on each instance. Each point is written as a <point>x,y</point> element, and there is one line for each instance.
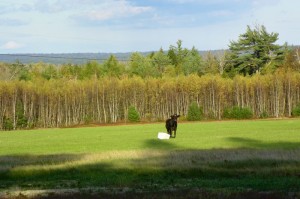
<point>206,135</point>
<point>232,155</point>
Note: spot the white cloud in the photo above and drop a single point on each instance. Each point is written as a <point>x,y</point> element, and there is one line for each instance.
<point>94,9</point>
<point>116,9</point>
<point>11,45</point>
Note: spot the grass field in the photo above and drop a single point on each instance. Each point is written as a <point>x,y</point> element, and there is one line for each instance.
<point>260,155</point>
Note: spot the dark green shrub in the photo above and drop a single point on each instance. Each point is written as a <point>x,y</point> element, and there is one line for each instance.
<point>237,113</point>
<point>296,111</point>
<point>22,122</point>
<point>133,115</point>
<point>7,124</point>
<point>194,112</point>
<point>20,117</point>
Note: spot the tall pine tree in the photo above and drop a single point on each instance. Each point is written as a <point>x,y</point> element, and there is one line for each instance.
<point>254,50</point>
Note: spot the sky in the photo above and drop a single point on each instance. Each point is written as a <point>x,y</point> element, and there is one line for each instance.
<point>111,26</point>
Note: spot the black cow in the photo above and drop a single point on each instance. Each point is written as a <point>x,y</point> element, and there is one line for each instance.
<point>171,124</point>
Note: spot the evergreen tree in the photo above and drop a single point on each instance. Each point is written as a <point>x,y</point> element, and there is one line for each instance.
<point>7,124</point>
<point>194,112</point>
<point>160,61</point>
<point>133,115</point>
<point>192,63</point>
<point>254,49</point>
<point>20,117</point>
<point>296,111</point>
<point>177,55</point>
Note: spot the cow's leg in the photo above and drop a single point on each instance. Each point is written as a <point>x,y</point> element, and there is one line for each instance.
<point>170,132</point>
<point>171,135</point>
<point>175,133</point>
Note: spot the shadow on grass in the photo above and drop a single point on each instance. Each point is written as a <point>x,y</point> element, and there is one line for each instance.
<point>34,160</point>
<point>163,168</point>
<point>159,144</point>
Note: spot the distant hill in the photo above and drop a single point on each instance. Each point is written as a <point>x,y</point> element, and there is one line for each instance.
<point>61,58</point>
<point>82,58</point>
<point>75,58</point>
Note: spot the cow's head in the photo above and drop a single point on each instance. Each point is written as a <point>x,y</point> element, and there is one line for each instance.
<point>174,117</point>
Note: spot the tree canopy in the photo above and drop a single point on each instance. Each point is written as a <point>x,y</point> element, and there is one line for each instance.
<point>254,50</point>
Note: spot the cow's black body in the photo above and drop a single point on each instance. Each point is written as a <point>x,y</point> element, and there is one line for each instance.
<point>171,124</point>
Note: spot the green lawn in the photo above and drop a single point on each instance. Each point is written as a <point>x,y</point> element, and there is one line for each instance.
<point>284,134</point>
<point>231,155</point>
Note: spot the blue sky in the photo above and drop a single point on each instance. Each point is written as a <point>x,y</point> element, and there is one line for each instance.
<point>69,26</point>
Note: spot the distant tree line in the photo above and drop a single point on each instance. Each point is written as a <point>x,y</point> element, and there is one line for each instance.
<point>254,52</point>
<point>255,77</point>
<point>57,103</point>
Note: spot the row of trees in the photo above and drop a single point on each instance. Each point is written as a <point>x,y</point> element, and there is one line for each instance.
<point>255,75</point>
<point>156,65</point>
<point>57,103</point>
<point>254,52</point>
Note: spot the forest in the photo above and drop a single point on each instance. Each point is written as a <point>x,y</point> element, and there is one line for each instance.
<point>254,73</point>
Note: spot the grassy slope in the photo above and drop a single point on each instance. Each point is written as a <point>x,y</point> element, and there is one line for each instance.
<point>261,155</point>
